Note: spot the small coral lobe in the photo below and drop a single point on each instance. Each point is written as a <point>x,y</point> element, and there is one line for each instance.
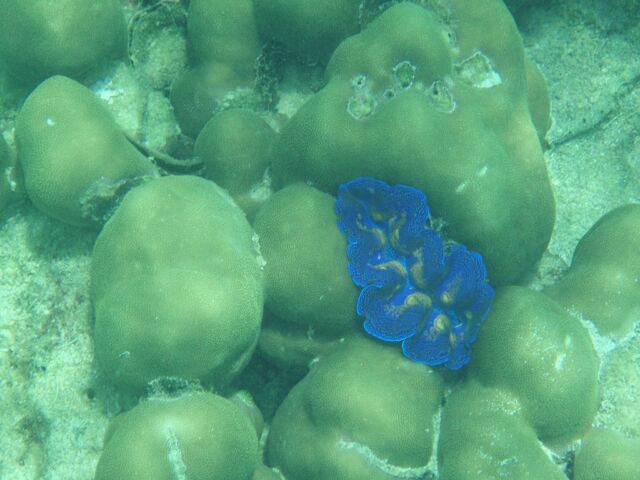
<point>417,289</point>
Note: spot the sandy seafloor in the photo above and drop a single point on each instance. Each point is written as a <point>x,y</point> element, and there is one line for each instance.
<point>54,403</point>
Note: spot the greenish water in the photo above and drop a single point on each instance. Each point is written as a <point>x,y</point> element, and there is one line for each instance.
<point>56,401</point>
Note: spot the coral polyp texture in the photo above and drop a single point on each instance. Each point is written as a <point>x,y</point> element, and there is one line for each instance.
<point>416,289</point>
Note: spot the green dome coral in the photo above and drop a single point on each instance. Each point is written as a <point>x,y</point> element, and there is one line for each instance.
<point>235,149</point>
<point>224,45</point>
<point>75,159</point>
<point>223,31</point>
<point>607,455</point>
<point>313,28</point>
<point>484,435</point>
<point>532,348</point>
<point>309,295</point>
<point>450,116</point>
<point>40,38</point>
<point>198,436</point>
<point>602,283</point>
<point>176,285</point>
<point>364,412</point>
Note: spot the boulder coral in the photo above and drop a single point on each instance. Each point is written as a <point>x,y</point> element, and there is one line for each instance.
<point>75,159</point>
<point>450,116</point>
<point>531,347</point>
<point>602,283</point>
<point>189,436</point>
<point>311,29</point>
<point>176,285</point>
<point>310,300</point>
<point>41,38</point>
<point>483,434</point>
<point>235,150</point>
<point>607,455</point>
<point>364,412</point>
<point>223,45</point>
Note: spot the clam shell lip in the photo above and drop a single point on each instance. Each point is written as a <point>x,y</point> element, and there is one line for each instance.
<point>417,289</point>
